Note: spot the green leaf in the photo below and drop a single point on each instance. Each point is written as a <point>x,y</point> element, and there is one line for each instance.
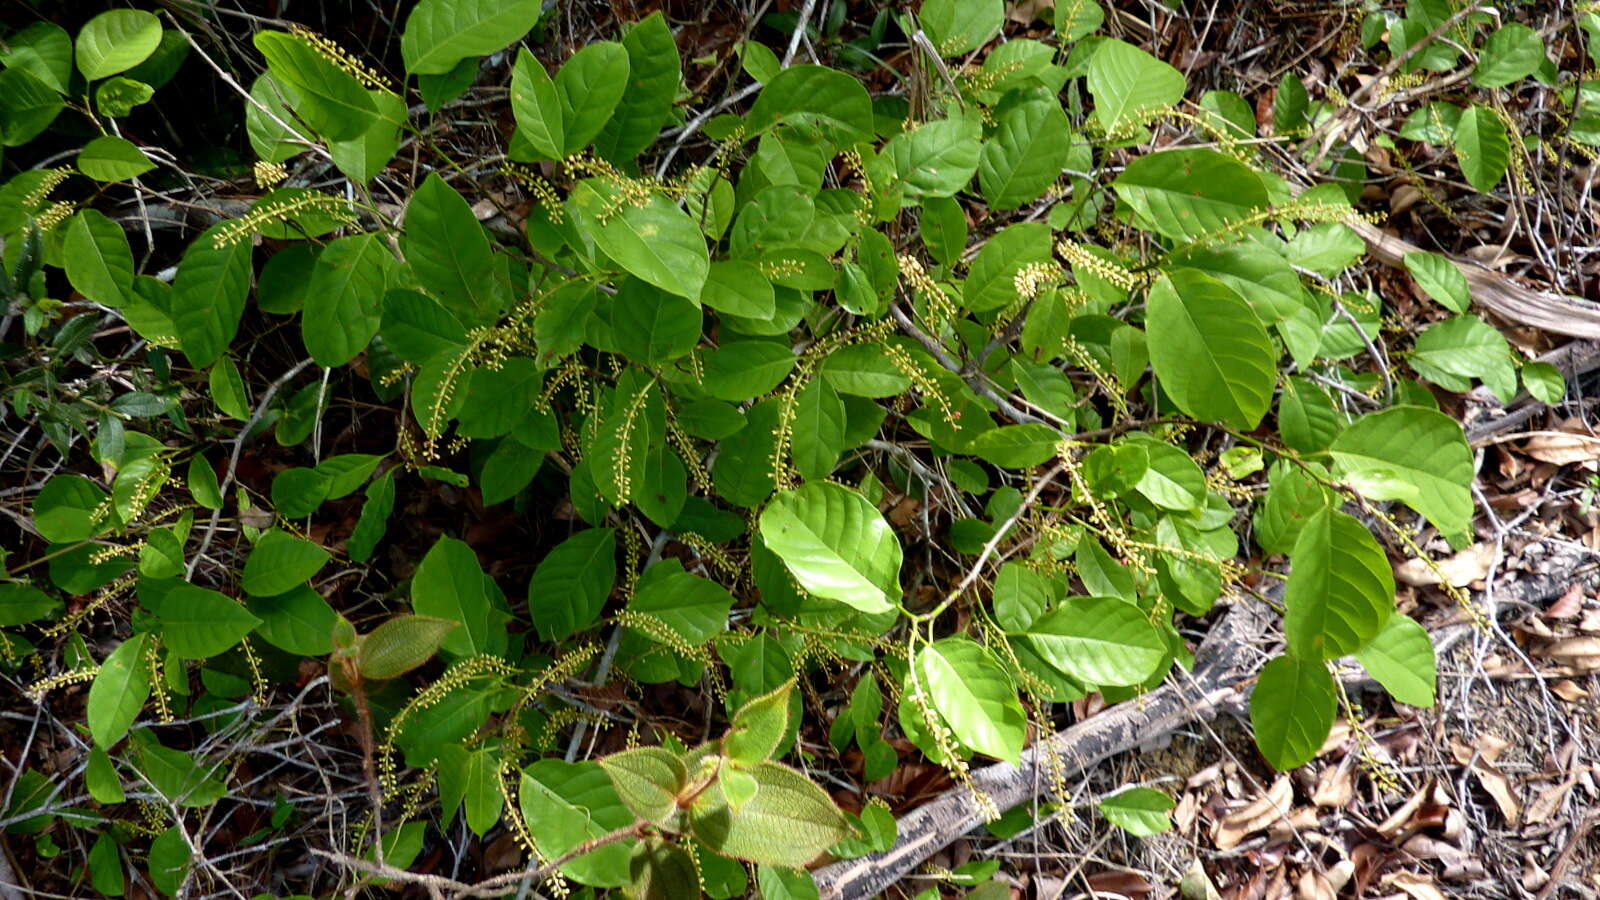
<point>652,327</point>
<point>759,726</point>
<point>861,370</point>
<point>973,695</point>
<point>276,137</point>
<point>776,883</point>
<point>1412,454</point>
<point>169,861</point>
<point>653,75</point>
<point>1308,420</point>
<point>1482,146</point>
<point>117,97</point>
<point>298,491</point>
<point>484,800</point>
<point>957,27</point>
<point>450,254</point>
<point>1341,588</point>
<point>209,294</point>
<point>1017,446</point>
<point>694,608</point>
<point>789,822</point>
<point>537,106</point>
<point>116,41</point>
<point>836,545</point>
<point>1465,347</point>
<point>1191,193</point>
<point>228,390</point>
<point>110,158</point>
<point>280,562</point>
<point>566,804</point>
<point>449,584</point>
<point>440,33</point>
<point>936,159</point>
<point>400,645</point>
<point>1099,641</point>
<point>343,304</point>
<point>27,107</point>
<point>943,224</point>
<point>737,287</point>
<point>741,370</point>
<point>590,85</point>
<point>99,261</point>
<point>816,96</point>
<point>365,157</point>
<point>118,693</point>
<point>1022,595</point>
<point>1129,85</point>
<point>991,282</point>
<point>1512,52</point>
<point>571,583</point>
<point>648,781</point>
<point>416,328</point>
<point>298,621</point>
<point>818,430</point>
<point>43,50</point>
<point>1544,382</point>
<point>105,867</point>
<point>196,623</point>
<point>1172,479</point>
<point>1140,811</point>
<point>1401,657</point>
<point>1211,352</point>
<point>374,518</point>
<point>24,603</point>
<point>1291,710</point>
<point>347,472</point>
<point>656,242</point>
<point>1025,155</point>
<point>330,99</point>
<point>1440,278</point>
<point>65,510</point>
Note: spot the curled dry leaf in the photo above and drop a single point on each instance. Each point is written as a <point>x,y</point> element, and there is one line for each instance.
<point>1568,605</point>
<point>1258,815</point>
<point>1563,447</point>
<point>1460,570</point>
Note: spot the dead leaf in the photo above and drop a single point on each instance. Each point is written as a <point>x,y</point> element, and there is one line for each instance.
<point>1418,887</point>
<point>1335,786</point>
<point>1568,605</point>
<point>1460,570</point>
<point>1562,447</point>
<point>1026,12</point>
<point>1256,816</point>
<point>1548,801</point>
<point>1314,887</point>
<point>1568,690</point>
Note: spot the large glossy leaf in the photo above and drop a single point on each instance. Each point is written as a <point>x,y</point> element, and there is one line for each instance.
<point>974,697</point>
<point>991,282</point>
<point>936,159</point>
<point>1416,455</point>
<point>1483,147</point>
<point>572,582</point>
<point>1190,193</point>
<point>651,326</point>
<point>817,430</point>
<point>27,107</point>
<point>818,96</point>
<point>43,50</point>
<point>1291,710</point>
<point>118,692</point>
<point>1465,346</point>
<point>330,99</point>
<point>99,261</point>
<point>656,242</point>
<point>1209,349</point>
<point>961,26</point>
<point>449,584</point>
<point>836,545</point>
<point>209,294</point>
<point>116,41</point>
<point>1340,591</point>
<point>298,621</point>
<point>590,85</point>
<point>1401,657</point>
<point>1441,278</point>
<point>344,301</point>
<point>440,33</point>
<point>1026,153</point>
<point>1129,84</point>
<point>653,75</point>
<point>449,253</point>
<point>365,157</point>
<point>110,158</point>
<point>196,623</point>
<point>537,106</point>
<point>1511,53</point>
<point>280,562</point>
<point>1100,641</point>
<point>566,804</point>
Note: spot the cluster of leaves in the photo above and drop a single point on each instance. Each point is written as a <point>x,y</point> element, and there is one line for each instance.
<point>1109,367</point>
